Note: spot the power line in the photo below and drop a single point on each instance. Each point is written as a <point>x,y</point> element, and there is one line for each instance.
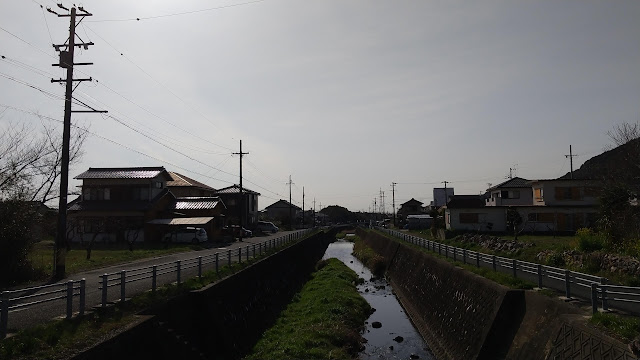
<point>178,14</point>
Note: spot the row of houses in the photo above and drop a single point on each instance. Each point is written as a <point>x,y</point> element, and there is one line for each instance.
<point>143,203</point>
<point>553,205</point>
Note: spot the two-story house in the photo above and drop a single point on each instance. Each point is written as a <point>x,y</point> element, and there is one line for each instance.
<point>558,205</point>
<point>136,204</point>
<point>411,207</point>
<point>117,203</point>
<point>282,210</point>
<point>231,197</point>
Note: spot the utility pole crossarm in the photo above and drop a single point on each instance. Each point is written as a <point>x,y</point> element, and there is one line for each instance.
<point>241,200</point>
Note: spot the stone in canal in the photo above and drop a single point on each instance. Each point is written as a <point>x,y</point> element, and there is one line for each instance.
<point>376,324</point>
<point>398,339</point>
<point>414,356</point>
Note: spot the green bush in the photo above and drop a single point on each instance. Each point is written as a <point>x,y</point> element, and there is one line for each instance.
<point>589,241</point>
<point>556,259</point>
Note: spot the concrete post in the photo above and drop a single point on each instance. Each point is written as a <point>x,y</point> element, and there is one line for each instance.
<point>123,284</point>
<point>539,276</point>
<point>83,284</point>
<point>69,299</point>
<point>104,289</point>
<point>567,283</point>
<point>4,313</point>
<point>154,274</point>
<point>178,271</point>
<point>199,267</point>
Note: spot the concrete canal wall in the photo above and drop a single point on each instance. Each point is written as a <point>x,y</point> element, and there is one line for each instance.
<point>464,316</point>
<point>222,320</point>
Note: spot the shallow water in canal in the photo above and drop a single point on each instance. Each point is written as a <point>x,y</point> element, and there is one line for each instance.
<point>383,342</point>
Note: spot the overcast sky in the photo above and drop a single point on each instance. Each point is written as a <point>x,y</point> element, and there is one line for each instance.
<point>344,96</point>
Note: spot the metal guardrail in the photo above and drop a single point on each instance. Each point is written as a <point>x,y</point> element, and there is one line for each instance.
<point>574,284</point>
<point>215,260</point>
<point>27,297</point>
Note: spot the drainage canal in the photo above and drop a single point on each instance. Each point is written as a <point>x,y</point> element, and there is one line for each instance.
<point>396,338</point>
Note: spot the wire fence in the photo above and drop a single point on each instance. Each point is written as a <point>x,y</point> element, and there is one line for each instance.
<point>575,285</point>
<point>155,275</point>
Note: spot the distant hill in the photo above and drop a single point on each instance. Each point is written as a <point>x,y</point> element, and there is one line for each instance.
<point>621,162</point>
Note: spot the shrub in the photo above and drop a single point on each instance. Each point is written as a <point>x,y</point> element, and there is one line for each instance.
<point>589,241</point>
<point>556,259</point>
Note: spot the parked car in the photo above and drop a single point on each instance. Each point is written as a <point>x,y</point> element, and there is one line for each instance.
<point>189,234</point>
<point>234,231</point>
<point>266,226</point>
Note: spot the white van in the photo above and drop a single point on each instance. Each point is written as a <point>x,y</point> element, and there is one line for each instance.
<point>186,235</point>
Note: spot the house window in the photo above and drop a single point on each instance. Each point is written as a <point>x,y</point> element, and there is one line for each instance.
<point>510,194</point>
<point>141,193</point>
<point>157,184</point>
<point>468,218</point>
<point>538,194</point>
<point>568,193</point>
<point>541,217</point>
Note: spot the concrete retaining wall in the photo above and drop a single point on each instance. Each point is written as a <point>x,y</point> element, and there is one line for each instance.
<point>464,316</point>
<point>225,319</point>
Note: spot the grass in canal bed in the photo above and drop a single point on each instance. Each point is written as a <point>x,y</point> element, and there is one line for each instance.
<point>322,322</point>
<point>368,256</point>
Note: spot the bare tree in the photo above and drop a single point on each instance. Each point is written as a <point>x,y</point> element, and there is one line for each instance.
<point>30,161</point>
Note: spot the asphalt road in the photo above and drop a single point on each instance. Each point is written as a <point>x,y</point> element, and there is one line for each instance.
<point>23,318</point>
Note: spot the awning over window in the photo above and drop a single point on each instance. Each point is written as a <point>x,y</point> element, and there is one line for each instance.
<point>182,221</point>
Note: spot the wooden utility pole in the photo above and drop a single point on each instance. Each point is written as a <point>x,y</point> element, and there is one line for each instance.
<point>570,156</point>
<point>290,204</point>
<point>303,207</point>
<point>393,200</point>
<point>446,195</point>
<point>241,200</point>
<point>67,62</point>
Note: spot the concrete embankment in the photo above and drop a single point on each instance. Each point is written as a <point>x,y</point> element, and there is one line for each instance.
<point>223,320</point>
<point>464,316</point>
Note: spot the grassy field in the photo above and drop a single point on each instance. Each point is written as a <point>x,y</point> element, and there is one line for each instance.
<point>322,322</point>
<point>41,256</point>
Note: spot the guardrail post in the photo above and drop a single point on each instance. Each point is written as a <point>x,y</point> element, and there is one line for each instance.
<point>439,249</point>
<point>83,297</point>
<point>247,253</point>
<point>154,275</point>
<point>199,267</point>
<point>178,271</point>
<point>514,265</point>
<point>567,283</point>
<point>217,266</point>
<point>594,298</point>
<point>493,263</point>
<point>123,284</point>
<point>464,256</point>
<point>229,257</point>
<point>446,251</point>
<point>4,313</point>
<point>254,251</point>
<point>105,278</point>
<point>69,299</point>
<point>455,250</point>
<point>539,276</point>
<point>260,248</point>
<point>239,255</point>
<point>605,304</point>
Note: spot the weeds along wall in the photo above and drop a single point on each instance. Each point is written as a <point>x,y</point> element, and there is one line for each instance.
<point>223,320</point>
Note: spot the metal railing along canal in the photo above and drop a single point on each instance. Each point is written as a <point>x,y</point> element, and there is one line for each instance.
<point>574,284</point>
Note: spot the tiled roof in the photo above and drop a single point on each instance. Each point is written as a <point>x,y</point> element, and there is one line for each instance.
<point>235,189</point>
<point>516,182</point>
<point>412,201</point>
<point>181,180</point>
<point>282,204</point>
<point>123,173</point>
<point>466,202</point>
<point>196,203</point>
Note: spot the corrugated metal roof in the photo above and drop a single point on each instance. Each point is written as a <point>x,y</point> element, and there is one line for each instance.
<point>122,173</point>
<point>235,189</point>
<point>181,180</point>
<point>196,203</point>
<point>111,205</point>
<point>182,221</point>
